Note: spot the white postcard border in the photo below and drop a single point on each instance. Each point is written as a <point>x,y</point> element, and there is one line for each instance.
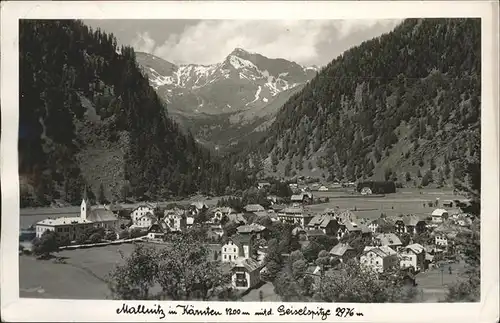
<point>15,309</point>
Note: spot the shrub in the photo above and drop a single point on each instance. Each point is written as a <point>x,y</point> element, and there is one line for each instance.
<point>111,236</point>
<point>95,238</point>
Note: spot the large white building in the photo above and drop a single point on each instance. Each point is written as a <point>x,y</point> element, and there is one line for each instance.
<point>379,258</point>
<point>294,215</point>
<point>74,227</point>
<point>141,211</point>
<point>71,227</point>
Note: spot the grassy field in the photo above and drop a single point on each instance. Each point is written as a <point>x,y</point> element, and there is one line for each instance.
<point>83,276</point>
<point>405,201</point>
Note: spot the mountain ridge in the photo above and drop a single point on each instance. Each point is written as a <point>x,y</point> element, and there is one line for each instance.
<point>89,120</point>
<point>402,106</point>
<point>244,86</point>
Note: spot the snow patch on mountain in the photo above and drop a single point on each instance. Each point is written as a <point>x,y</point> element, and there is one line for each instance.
<point>158,80</point>
<point>239,63</point>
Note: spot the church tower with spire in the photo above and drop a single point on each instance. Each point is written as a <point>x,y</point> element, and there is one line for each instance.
<point>84,207</point>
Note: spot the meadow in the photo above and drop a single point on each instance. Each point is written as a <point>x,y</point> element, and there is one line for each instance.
<point>82,276</point>
<point>405,201</point>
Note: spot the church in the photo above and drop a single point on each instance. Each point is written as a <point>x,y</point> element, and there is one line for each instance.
<point>100,216</point>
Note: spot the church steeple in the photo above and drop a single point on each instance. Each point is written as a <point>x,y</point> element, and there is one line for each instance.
<point>84,207</point>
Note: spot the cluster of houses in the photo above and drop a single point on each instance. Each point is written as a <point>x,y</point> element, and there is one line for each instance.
<point>237,254</point>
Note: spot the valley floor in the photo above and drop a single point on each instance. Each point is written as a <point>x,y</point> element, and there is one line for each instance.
<point>83,275</point>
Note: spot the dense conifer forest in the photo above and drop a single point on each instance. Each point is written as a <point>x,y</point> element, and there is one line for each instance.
<point>88,118</point>
<point>404,106</point>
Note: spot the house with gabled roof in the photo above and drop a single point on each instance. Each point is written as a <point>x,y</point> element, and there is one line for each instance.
<point>244,269</point>
<point>379,258</point>
<point>387,239</point>
<point>411,224</point>
<point>413,256</point>
<point>302,198</point>
<point>245,273</point>
<point>145,221</point>
<point>198,207</point>
<point>342,252</point>
<point>438,215</point>
<point>140,211</point>
<point>257,230</point>
<point>156,231</point>
<point>175,219</point>
<point>445,235</point>
<point>375,224</point>
<point>251,208</point>
<point>325,223</point>
<point>295,215</point>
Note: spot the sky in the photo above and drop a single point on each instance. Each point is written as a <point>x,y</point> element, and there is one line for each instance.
<point>307,42</point>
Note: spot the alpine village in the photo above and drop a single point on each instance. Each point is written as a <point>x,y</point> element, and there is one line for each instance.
<point>359,183</point>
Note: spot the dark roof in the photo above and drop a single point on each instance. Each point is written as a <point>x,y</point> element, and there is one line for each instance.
<point>249,264</point>
<point>115,207</point>
<point>277,207</point>
<point>316,220</point>
<point>101,215</point>
<point>312,233</point>
<point>293,210</point>
<point>351,226</point>
<point>254,227</point>
<point>199,205</point>
<point>156,228</point>
<point>411,220</point>
<point>389,239</point>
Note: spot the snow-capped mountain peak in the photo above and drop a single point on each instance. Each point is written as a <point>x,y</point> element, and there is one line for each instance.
<point>242,81</point>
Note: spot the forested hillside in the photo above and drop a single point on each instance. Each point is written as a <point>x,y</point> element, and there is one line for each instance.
<point>88,117</point>
<point>402,106</point>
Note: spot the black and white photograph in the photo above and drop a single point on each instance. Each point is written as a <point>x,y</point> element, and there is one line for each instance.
<point>284,162</point>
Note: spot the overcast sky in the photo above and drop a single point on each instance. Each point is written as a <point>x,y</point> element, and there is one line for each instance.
<point>307,42</point>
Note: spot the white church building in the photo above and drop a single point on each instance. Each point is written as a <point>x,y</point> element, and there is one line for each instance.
<point>74,226</point>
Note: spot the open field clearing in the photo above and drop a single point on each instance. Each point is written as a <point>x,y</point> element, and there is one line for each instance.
<point>81,277</point>
<point>405,201</point>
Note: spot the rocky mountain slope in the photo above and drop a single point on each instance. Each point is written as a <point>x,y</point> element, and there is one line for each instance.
<point>88,118</point>
<point>403,106</point>
<point>222,102</point>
